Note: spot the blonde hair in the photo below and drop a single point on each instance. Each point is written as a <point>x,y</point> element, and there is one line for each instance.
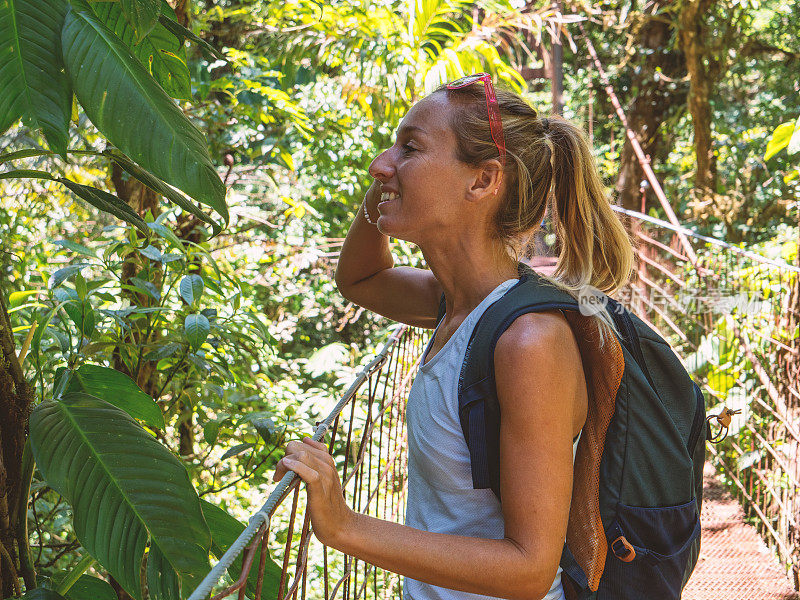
<point>549,165</point>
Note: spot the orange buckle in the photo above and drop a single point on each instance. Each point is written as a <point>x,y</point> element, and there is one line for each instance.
<point>622,549</point>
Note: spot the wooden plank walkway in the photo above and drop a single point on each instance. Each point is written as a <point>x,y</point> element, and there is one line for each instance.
<point>734,562</point>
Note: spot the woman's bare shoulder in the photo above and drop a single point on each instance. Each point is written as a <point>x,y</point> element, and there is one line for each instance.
<point>538,352</point>
<point>546,331</point>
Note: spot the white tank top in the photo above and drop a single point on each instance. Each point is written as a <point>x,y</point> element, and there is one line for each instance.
<point>440,494</point>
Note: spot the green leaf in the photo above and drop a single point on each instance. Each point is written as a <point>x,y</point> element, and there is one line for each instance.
<point>152,253</point>
<point>18,298</point>
<point>75,247</point>
<point>27,173</point>
<point>780,139</point>
<point>266,428</point>
<point>123,100</point>
<point>191,288</point>
<point>80,286</point>
<point>162,351</point>
<point>160,52</point>
<point>237,449</point>
<point>90,587</point>
<point>158,186</point>
<point>141,14</point>
<point>82,314</point>
<point>118,389</point>
<point>196,327</point>
<point>64,273</point>
<point>42,594</point>
<point>224,531</point>
<point>123,486</point>
<point>148,287</point>
<point>166,233</point>
<point>211,432</point>
<point>162,581</point>
<point>32,78</point>
<point>182,33</point>
<point>106,202</point>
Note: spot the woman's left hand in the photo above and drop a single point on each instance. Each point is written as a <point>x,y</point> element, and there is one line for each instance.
<point>330,515</point>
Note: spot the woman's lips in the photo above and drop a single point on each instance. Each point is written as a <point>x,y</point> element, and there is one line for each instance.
<point>388,197</point>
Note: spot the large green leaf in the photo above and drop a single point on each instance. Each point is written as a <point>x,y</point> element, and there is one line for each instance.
<point>224,531</point>
<point>106,202</point>
<point>32,79</point>
<point>162,581</point>
<point>42,594</point>
<point>161,52</point>
<point>136,115</point>
<point>123,487</point>
<point>141,14</point>
<point>117,389</point>
<point>89,587</point>
<point>158,186</point>
<point>183,34</point>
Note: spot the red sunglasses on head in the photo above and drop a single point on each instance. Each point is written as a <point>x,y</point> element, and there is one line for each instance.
<point>495,124</point>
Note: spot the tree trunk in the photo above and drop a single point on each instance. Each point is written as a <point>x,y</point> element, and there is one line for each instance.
<point>143,200</point>
<point>16,403</point>
<point>693,38</point>
<point>655,95</point>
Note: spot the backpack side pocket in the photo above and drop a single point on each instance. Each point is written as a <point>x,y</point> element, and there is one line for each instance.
<point>649,549</point>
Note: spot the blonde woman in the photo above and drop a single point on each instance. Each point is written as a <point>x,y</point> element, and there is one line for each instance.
<point>468,179</point>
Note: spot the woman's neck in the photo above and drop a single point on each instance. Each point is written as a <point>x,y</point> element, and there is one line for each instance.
<point>468,276</point>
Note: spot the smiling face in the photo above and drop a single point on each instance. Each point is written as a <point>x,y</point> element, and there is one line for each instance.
<point>434,191</point>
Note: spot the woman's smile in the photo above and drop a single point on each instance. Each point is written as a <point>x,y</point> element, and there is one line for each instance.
<point>387,197</point>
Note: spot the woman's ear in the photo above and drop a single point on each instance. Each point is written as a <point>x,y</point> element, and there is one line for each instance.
<point>487,180</point>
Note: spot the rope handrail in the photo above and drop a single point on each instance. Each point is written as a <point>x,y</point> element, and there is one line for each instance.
<point>262,516</point>
<point>686,231</point>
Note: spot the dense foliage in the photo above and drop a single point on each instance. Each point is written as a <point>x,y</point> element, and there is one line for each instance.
<point>205,340</point>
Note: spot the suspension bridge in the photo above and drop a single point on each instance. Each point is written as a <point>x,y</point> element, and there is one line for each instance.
<point>728,305</point>
<point>731,314</point>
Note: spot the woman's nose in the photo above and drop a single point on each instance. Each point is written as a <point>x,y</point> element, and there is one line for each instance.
<point>381,167</point>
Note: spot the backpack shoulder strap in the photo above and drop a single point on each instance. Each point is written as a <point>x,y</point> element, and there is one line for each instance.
<point>478,408</point>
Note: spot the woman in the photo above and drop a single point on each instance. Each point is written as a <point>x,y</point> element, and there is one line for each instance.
<point>469,188</point>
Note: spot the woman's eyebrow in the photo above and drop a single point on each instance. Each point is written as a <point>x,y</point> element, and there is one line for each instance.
<point>407,129</point>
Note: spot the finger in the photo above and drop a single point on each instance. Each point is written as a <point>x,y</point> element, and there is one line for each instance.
<point>315,443</point>
<point>293,446</point>
<point>303,471</point>
<point>320,451</point>
<point>283,466</point>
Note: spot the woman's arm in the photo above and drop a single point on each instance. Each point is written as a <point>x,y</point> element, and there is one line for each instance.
<point>365,250</point>
<point>366,275</point>
<point>535,368</point>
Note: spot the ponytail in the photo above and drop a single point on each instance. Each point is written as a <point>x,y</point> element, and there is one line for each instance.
<point>596,249</point>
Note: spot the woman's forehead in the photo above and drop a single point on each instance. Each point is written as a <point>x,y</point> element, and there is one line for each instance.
<point>430,116</point>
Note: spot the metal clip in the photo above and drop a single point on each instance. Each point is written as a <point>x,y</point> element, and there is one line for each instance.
<point>724,421</point>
